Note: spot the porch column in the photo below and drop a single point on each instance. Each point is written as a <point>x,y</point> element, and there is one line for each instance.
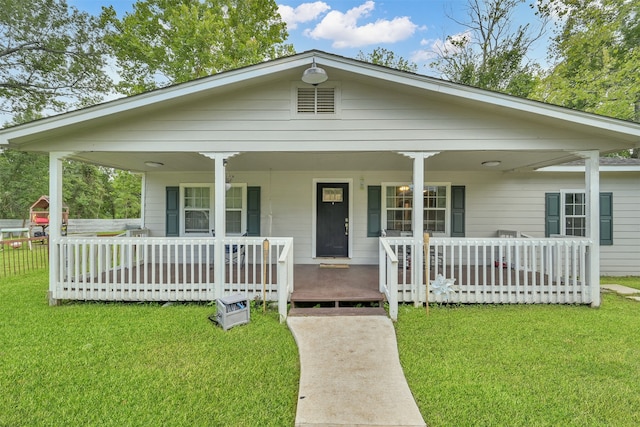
<point>592,192</point>
<point>219,223</point>
<point>417,225</point>
<point>55,221</point>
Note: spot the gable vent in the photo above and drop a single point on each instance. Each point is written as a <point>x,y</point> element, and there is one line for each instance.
<point>316,100</point>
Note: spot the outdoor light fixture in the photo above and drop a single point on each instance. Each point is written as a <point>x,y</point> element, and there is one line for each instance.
<point>491,163</point>
<point>314,75</point>
<point>154,164</point>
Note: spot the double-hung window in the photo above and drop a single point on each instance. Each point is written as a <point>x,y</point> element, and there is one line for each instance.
<point>197,209</point>
<point>397,208</point>
<point>574,214</point>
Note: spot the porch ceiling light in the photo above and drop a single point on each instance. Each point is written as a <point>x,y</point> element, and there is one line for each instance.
<point>153,164</point>
<point>314,75</point>
<point>491,163</point>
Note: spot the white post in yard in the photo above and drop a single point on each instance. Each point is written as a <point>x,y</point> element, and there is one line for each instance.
<point>592,192</point>
<point>55,221</point>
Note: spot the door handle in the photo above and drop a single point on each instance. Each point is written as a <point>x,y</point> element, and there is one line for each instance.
<point>346,226</point>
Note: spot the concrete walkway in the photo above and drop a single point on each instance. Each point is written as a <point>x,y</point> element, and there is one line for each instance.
<point>630,293</point>
<point>351,373</point>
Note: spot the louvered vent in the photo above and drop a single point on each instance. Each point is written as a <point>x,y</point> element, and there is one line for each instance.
<point>316,100</point>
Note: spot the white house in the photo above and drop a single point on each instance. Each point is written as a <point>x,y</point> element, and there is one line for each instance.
<point>321,172</point>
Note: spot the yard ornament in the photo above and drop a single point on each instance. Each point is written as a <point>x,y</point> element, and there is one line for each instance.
<point>442,286</point>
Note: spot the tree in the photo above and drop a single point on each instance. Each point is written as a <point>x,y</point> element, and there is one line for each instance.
<point>597,59</point>
<point>24,178</point>
<point>490,53</point>
<point>126,189</point>
<point>163,42</point>
<point>387,58</point>
<point>51,58</point>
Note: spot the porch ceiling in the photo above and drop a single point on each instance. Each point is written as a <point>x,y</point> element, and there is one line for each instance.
<point>328,161</point>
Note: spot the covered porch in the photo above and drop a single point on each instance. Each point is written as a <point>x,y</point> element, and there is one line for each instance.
<point>488,271</point>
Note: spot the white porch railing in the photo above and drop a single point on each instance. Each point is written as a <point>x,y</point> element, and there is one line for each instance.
<point>496,270</point>
<point>388,266</point>
<point>166,269</point>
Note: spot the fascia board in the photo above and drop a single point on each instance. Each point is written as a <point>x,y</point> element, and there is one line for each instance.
<point>581,169</point>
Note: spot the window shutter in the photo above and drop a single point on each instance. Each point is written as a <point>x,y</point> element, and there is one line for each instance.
<point>457,211</point>
<point>551,214</point>
<point>374,210</point>
<point>606,218</point>
<point>253,211</point>
<point>172,228</point>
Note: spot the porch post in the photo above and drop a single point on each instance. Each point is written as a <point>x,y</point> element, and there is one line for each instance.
<point>417,225</point>
<point>219,224</point>
<point>55,221</point>
<point>592,187</point>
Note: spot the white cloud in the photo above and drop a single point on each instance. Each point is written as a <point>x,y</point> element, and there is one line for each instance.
<point>304,13</point>
<point>343,28</point>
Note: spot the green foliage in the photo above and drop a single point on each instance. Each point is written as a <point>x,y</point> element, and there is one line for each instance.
<point>387,58</point>
<point>164,42</point>
<point>126,194</point>
<point>139,364</point>
<point>24,177</point>
<point>596,59</point>
<point>533,365</point>
<point>490,53</point>
<point>51,57</point>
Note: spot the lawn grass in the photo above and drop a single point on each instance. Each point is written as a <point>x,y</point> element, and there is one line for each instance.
<point>139,364</point>
<point>630,281</point>
<point>524,365</point>
<point>143,364</point>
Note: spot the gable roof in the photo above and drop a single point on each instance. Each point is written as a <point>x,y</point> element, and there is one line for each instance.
<point>263,72</point>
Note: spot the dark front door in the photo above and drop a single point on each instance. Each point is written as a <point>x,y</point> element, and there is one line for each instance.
<point>332,223</point>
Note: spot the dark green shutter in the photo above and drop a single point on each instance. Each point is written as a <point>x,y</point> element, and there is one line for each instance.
<point>457,211</point>
<point>551,214</point>
<point>253,211</point>
<point>374,210</point>
<point>606,218</point>
<point>172,212</point>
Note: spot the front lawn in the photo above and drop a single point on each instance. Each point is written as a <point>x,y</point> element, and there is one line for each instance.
<point>542,365</point>
<point>138,364</point>
<point>143,364</point>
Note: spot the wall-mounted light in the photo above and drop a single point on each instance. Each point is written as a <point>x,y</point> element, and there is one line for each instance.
<point>227,184</point>
<point>491,163</point>
<point>314,75</point>
<point>153,164</point>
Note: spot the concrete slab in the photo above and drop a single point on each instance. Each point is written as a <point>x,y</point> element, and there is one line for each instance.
<point>351,373</point>
<point>622,290</point>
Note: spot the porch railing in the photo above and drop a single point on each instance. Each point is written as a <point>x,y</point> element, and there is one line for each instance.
<point>388,266</point>
<point>496,270</point>
<point>165,269</point>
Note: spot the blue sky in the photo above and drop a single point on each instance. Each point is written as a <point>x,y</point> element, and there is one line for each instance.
<point>412,29</point>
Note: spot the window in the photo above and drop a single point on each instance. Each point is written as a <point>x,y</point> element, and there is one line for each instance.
<point>236,212</point>
<point>575,216</point>
<point>196,208</point>
<point>398,205</point>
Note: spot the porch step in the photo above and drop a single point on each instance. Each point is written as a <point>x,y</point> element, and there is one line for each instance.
<point>310,304</point>
<point>337,311</point>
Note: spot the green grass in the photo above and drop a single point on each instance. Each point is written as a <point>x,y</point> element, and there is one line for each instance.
<point>630,281</point>
<point>524,365</point>
<point>143,364</point>
<point>138,364</point>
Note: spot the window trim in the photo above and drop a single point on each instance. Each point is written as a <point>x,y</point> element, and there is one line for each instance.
<point>447,209</point>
